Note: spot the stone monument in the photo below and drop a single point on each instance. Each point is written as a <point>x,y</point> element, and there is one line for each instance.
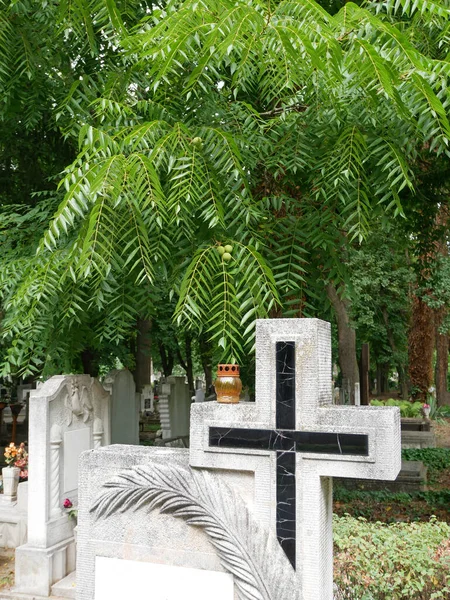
<point>68,415</point>
<point>125,407</point>
<point>174,407</point>
<point>247,511</point>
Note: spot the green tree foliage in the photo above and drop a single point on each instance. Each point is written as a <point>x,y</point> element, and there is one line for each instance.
<point>278,128</point>
<point>380,283</point>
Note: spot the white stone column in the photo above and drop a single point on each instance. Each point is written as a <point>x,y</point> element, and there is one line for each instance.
<point>98,433</point>
<point>55,445</point>
<point>314,533</point>
<point>164,410</point>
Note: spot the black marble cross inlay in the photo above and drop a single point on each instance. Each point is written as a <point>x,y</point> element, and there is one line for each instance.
<point>286,441</point>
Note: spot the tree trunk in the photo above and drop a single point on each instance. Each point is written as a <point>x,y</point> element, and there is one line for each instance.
<point>189,369</point>
<point>442,348</point>
<point>442,339</point>
<point>364,374</point>
<point>421,341</point>
<point>401,370</point>
<point>167,360</point>
<point>206,358</point>
<point>143,370</point>
<point>382,378</point>
<point>346,343</point>
<point>89,360</point>
<point>187,364</point>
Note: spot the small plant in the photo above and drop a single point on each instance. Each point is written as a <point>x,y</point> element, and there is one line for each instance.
<point>407,409</point>
<point>401,561</point>
<point>443,411</point>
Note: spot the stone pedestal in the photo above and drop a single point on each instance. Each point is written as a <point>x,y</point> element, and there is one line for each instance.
<point>13,518</point>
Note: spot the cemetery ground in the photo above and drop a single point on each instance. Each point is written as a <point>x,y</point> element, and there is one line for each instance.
<point>6,568</point>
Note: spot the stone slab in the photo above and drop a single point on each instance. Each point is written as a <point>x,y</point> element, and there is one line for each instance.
<point>66,588</point>
<point>116,579</point>
<point>412,478</point>
<point>418,439</point>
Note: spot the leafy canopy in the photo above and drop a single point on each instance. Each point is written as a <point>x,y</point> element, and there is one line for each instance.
<point>279,128</point>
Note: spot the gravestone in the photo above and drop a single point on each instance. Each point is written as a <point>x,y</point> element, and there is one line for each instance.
<point>68,415</point>
<point>125,407</point>
<point>174,407</point>
<point>147,398</point>
<point>412,478</point>
<point>251,499</point>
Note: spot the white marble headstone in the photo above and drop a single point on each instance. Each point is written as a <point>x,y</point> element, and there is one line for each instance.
<point>68,414</point>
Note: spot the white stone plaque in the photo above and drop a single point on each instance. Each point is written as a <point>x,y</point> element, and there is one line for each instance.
<point>117,579</point>
<point>75,442</point>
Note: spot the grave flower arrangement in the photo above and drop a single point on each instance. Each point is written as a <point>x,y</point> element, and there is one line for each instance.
<point>71,511</point>
<point>17,456</point>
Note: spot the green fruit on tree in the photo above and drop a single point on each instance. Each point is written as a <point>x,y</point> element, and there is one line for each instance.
<point>197,142</point>
<point>229,248</point>
<point>226,256</point>
<point>220,250</point>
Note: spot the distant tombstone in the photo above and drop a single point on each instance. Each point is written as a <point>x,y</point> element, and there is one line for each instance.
<point>357,394</point>
<point>246,512</point>
<point>174,408</point>
<point>337,395</point>
<point>147,398</point>
<point>68,415</point>
<point>199,395</point>
<point>125,407</point>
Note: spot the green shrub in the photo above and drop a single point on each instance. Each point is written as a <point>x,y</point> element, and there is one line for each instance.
<point>401,561</point>
<point>407,409</point>
<point>436,459</point>
<point>443,411</point>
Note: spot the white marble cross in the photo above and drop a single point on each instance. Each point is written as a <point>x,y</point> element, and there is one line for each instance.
<point>294,441</point>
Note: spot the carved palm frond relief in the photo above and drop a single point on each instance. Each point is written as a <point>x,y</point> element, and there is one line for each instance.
<point>250,552</point>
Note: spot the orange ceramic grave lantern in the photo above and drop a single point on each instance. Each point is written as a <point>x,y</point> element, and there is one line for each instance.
<point>228,384</point>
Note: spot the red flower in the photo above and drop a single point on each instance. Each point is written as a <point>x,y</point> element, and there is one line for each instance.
<point>67,503</point>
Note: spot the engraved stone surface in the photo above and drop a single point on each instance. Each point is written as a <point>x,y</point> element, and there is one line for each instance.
<point>142,535</point>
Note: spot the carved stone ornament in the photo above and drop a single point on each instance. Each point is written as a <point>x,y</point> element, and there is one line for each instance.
<point>247,550</point>
<point>78,404</point>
